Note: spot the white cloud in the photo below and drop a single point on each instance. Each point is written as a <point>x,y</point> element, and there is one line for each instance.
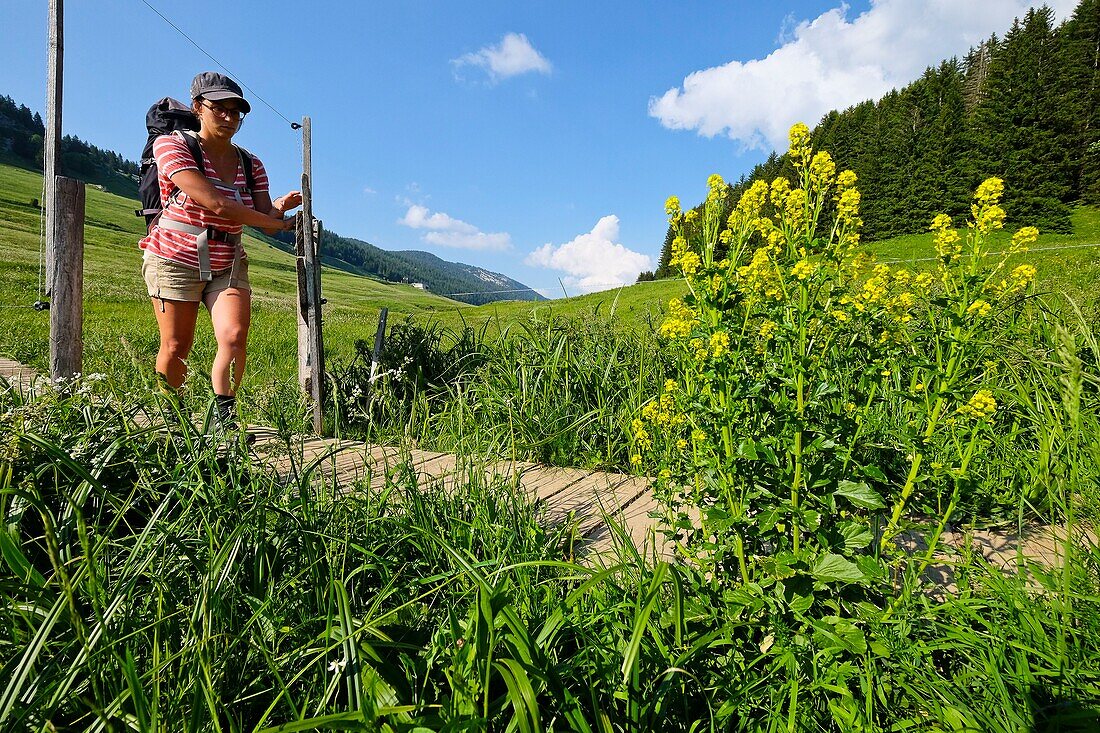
<point>593,261</point>
<point>832,62</point>
<point>446,231</point>
<point>514,55</point>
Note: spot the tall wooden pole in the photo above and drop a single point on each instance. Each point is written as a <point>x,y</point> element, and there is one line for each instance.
<point>312,267</point>
<point>52,144</point>
<point>67,280</point>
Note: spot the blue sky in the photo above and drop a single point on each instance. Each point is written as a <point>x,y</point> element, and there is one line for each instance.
<point>536,139</point>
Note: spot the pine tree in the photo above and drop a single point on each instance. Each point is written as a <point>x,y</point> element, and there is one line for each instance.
<point>1079,65</point>
<point>1022,134</point>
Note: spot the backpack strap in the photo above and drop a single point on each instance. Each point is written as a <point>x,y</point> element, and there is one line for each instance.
<point>246,166</point>
<point>243,155</point>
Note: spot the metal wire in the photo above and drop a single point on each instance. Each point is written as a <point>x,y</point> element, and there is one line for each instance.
<point>990,254</point>
<point>293,125</point>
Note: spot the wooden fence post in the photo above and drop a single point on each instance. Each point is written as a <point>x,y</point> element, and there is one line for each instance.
<point>51,144</point>
<point>379,338</point>
<point>66,255</point>
<point>304,380</point>
<point>311,350</point>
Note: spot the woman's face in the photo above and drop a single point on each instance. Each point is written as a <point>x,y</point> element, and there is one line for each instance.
<point>220,119</point>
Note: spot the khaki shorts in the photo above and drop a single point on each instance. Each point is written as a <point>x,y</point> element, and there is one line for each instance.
<point>168,280</point>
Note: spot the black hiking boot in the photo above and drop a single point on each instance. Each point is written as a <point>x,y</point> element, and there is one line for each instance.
<point>226,426</point>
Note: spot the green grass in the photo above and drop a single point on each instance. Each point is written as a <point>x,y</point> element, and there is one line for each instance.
<point>120,326</point>
<point>116,306</point>
<point>1068,264</point>
<point>158,585</point>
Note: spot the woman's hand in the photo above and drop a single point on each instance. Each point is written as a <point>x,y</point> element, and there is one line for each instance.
<point>290,201</point>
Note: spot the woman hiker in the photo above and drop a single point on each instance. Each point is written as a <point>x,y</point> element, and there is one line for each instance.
<point>193,251</point>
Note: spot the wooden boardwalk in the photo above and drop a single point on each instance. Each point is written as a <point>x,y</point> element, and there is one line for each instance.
<point>17,375</point>
<point>586,499</point>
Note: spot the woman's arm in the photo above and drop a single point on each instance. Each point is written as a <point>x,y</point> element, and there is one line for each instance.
<point>279,207</point>
<point>199,188</point>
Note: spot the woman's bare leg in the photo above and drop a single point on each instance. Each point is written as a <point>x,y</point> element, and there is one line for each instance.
<point>231,315</point>
<point>176,320</point>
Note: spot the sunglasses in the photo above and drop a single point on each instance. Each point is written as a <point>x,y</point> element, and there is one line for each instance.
<point>229,113</point>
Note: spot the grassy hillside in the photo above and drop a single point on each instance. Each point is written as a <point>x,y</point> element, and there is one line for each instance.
<point>120,327</point>
<point>117,311</point>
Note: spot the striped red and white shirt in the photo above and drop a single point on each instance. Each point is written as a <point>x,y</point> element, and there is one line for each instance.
<point>172,156</point>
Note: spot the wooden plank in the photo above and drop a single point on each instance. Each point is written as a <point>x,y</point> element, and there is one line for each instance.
<point>20,377</point>
<point>598,494</point>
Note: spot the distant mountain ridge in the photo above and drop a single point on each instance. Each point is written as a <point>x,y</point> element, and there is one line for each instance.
<point>21,140</point>
<point>455,280</point>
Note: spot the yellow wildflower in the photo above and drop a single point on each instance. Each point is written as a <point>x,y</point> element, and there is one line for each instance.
<point>779,189</point>
<point>1018,280</point>
<point>800,144</point>
<point>679,321</point>
<point>979,307</point>
<point>873,289</point>
<point>672,206</point>
<point>981,406</point>
<point>822,170</point>
<point>691,216</point>
<point>846,179</point>
<point>719,343</point>
<point>990,219</point>
<point>689,263</point>
<point>840,316</point>
<point>945,239</point>
<point>1023,238</point>
<point>635,460</point>
<point>699,347</point>
<point>1023,274</point>
<point>802,269</point>
<point>847,206</point>
<point>794,208</point>
<point>767,330</point>
<point>990,191</point>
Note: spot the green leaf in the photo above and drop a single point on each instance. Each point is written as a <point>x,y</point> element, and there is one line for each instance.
<point>856,536</point>
<point>859,494</point>
<point>833,567</point>
<point>875,473</point>
<point>801,604</point>
<point>18,563</point>
<point>838,634</point>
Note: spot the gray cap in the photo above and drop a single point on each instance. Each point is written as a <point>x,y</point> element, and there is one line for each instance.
<point>216,87</point>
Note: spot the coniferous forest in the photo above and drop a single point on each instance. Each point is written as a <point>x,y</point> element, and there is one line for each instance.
<point>1024,107</point>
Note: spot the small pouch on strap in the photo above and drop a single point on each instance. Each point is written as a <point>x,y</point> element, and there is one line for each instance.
<point>202,244</point>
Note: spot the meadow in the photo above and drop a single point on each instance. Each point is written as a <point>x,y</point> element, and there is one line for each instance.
<point>799,406</point>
